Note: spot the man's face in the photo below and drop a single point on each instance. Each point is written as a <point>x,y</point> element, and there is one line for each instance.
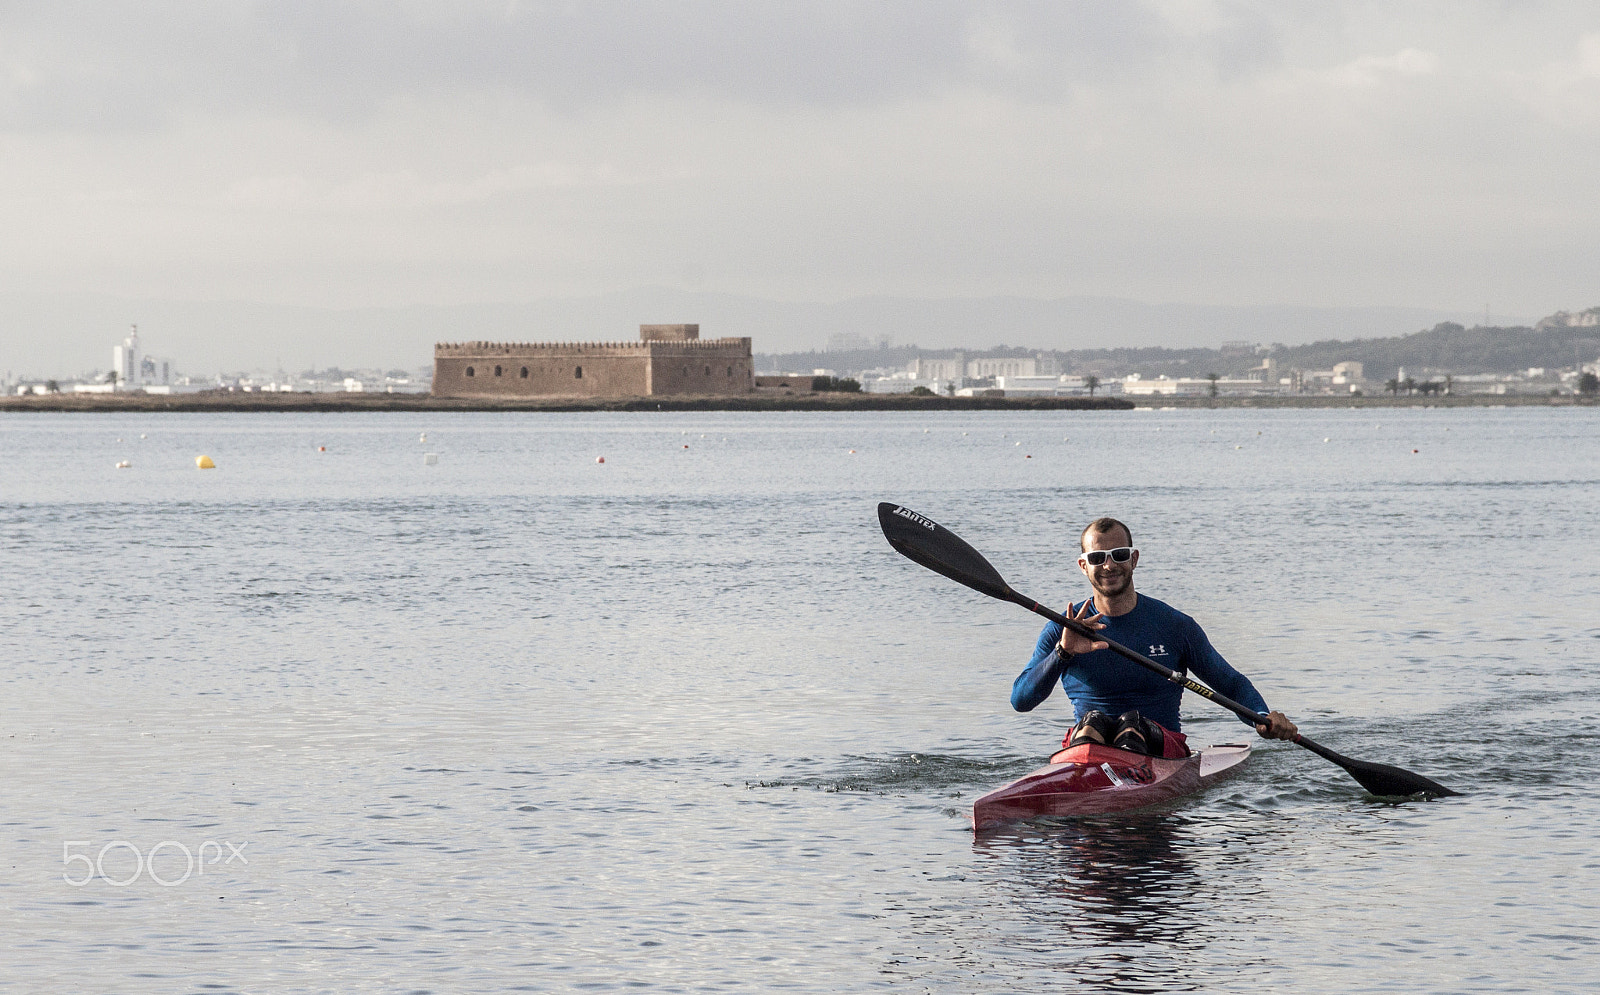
<point>1109,578</point>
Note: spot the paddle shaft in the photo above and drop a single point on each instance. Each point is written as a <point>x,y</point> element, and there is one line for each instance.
<point>1250,714</point>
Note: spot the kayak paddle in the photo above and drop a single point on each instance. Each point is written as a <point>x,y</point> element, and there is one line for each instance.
<point>942,551</point>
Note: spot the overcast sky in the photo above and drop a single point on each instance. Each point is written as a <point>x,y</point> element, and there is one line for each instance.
<point>388,153</point>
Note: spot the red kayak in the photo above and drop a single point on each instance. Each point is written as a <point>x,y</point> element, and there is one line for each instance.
<point>1092,780</point>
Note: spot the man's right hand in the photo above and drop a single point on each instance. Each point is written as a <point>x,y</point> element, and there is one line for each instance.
<point>1071,642</point>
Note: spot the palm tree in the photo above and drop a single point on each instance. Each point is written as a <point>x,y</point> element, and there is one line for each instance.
<point>1392,386</point>
<point>1213,377</point>
<point>1091,382</point>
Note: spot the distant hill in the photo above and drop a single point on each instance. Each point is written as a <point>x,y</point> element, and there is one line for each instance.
<point>1450,348</point>
<point>1447,347</point>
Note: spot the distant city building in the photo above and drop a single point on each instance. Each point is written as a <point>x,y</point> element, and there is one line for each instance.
<point>1037,385</point>
<point>855,342</point>
<point>1190,386</point>
<point>667,359</point>
<point>953,368</point>
<point>1011,366</point>
<point>134,370</point>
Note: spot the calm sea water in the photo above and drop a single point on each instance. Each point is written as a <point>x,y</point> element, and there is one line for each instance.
<point>681,721</point>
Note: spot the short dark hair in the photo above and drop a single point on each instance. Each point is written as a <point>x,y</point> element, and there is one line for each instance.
<point>1100,526</point>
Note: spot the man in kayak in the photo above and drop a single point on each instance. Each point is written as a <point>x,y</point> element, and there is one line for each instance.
<point>1118,703</point>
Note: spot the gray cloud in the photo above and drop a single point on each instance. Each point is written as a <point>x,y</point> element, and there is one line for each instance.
<point>93,66</point>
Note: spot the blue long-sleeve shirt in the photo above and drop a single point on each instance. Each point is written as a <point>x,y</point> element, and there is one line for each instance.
<point>1105,681</point>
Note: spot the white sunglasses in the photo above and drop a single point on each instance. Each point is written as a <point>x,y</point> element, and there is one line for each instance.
<point>1095,557</point>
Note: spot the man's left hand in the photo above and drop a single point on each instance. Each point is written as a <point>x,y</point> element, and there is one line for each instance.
<point>1281,727</point>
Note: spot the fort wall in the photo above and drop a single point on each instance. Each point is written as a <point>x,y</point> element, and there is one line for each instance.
<point>677,362</point>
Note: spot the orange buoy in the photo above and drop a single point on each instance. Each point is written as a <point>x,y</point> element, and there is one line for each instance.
<point>322,449</point>
<point>599,459</point>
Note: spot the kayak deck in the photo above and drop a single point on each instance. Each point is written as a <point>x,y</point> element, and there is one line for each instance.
<point>1092,780</point>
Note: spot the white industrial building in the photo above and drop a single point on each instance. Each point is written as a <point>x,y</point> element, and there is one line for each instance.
<point>1190,386</point>
<point>136,371</point>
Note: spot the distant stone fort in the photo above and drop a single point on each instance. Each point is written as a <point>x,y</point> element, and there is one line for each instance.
<point>667,359</point>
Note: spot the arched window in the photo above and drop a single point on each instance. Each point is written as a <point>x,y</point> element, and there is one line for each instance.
<point>730,371</point>
<point>497,371</point>
<point>708,371</point>
<point>469,371</point>
<point>524,373</point>
<point>577,374</point>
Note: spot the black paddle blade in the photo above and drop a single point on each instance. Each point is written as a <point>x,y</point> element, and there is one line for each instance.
<point>1380,779</point>
<point>927,542</point>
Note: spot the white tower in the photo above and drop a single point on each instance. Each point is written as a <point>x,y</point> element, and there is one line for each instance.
<point>125,360</point>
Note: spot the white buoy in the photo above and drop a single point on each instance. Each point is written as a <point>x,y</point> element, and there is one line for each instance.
<point>429,459</point>
<point>142,435</point>
<point>423,437</point>
<point>124,464</point>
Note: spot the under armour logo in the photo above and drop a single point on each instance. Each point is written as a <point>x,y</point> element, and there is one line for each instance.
<point>1158,650</point>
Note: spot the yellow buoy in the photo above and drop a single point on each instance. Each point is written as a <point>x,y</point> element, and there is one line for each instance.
<point>204,463</point>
